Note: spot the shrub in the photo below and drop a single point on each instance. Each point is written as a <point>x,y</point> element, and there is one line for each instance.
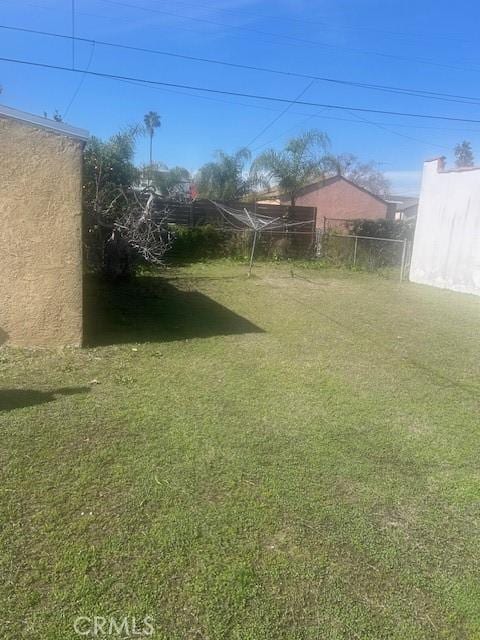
<point>381,228</point>
<point>206,242</point>
<point>199,243</point>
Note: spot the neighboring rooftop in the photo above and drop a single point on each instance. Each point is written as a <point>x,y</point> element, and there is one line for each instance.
<point>320,184</point>
<point>45,123</point>
<point>402,202</point>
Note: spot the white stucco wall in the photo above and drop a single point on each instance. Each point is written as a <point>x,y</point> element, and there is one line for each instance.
<point>446,249</point>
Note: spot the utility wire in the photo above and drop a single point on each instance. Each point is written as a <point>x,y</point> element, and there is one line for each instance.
<point>421,93</point>
<point>305,120</point>
<point>252,96</point>
<point>309,117</point>
<point>139,83</point>
<point>282,113</point>
<point>56,9</point>
<point>324,22</point>
<point>80,84</point>
<point>284,133</point>
<point>397,133</point>
<point>292,40</point>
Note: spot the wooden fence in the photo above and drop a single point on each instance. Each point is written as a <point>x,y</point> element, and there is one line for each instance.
<point>201,212</point>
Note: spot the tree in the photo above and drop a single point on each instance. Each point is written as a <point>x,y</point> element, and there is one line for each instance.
<point>169,183</point>
<point>224,179</point>
<point>365,174</point>
<point>303,160</point>
<point>464,155</point>
<point>120,222</point>
<point>152,121</point>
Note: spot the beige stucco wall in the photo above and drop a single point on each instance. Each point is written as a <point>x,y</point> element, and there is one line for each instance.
<point>40,236</point>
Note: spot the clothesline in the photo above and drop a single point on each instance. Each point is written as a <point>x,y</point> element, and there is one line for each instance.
<point>256,221</point>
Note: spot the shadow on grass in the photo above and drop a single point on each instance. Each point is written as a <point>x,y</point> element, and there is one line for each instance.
<point>19,398</point>
<point>151,309</point>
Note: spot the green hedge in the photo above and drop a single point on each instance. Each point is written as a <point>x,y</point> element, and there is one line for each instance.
<point>205,242</point>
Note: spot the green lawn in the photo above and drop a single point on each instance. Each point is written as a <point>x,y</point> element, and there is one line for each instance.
<point>268,458</point>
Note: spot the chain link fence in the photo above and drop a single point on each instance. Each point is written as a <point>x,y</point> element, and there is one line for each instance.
<point>364,252</point>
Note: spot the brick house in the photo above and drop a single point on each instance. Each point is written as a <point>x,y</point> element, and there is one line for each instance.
<point>41,231</point>
<point>340,199</point>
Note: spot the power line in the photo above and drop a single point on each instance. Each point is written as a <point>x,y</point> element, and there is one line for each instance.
<point>434,95</point>
<point>57,9</point>
<point>308,116</point>
<point>305,120</point>
<point>294,41</point>
<point>397,133</point>
<point>325,22</point>
<point>80,84</point>
<point>284,133</point>
<point>282,113</point>
<point>252,96</point>
<point>284,36</point>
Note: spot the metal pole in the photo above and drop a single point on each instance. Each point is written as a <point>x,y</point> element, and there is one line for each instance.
<point>355,252</point>
<point>253,252</point>
<point>404,254</point>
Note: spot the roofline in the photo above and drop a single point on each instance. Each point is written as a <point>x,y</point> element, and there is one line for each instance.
<point>441,166</point>
<point>44,123</point>
<point>326,181</point>
<point>396,197</point>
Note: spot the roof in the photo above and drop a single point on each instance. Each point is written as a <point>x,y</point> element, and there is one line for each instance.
<point>51,125</point>
<point>402,202</point>
<point>320,184</point>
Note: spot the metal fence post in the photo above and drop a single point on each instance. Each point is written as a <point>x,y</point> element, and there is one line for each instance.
<point>404,254</point>
<point>253,252</point>
<point>355,252</point>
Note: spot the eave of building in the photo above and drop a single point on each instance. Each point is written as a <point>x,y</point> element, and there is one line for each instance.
<point>50,125</point>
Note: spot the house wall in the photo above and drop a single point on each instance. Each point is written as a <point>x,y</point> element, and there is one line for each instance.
<point>446,249</point>
<point>342,200</point>
<point>40,236</point>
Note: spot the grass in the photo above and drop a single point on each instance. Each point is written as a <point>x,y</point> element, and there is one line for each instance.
<point>275,457</point>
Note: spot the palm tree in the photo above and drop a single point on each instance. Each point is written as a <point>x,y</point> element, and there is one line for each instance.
<point>303,160</point>
<point>152,121</point>
<point>224,179</point>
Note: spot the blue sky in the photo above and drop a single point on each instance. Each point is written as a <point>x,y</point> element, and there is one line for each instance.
<point>429,45</point>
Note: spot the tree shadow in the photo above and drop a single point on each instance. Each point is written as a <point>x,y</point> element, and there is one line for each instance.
<point>152,309</point>
<point>19,398</point>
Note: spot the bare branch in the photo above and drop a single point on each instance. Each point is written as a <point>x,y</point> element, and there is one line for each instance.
<point>144,227</point>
